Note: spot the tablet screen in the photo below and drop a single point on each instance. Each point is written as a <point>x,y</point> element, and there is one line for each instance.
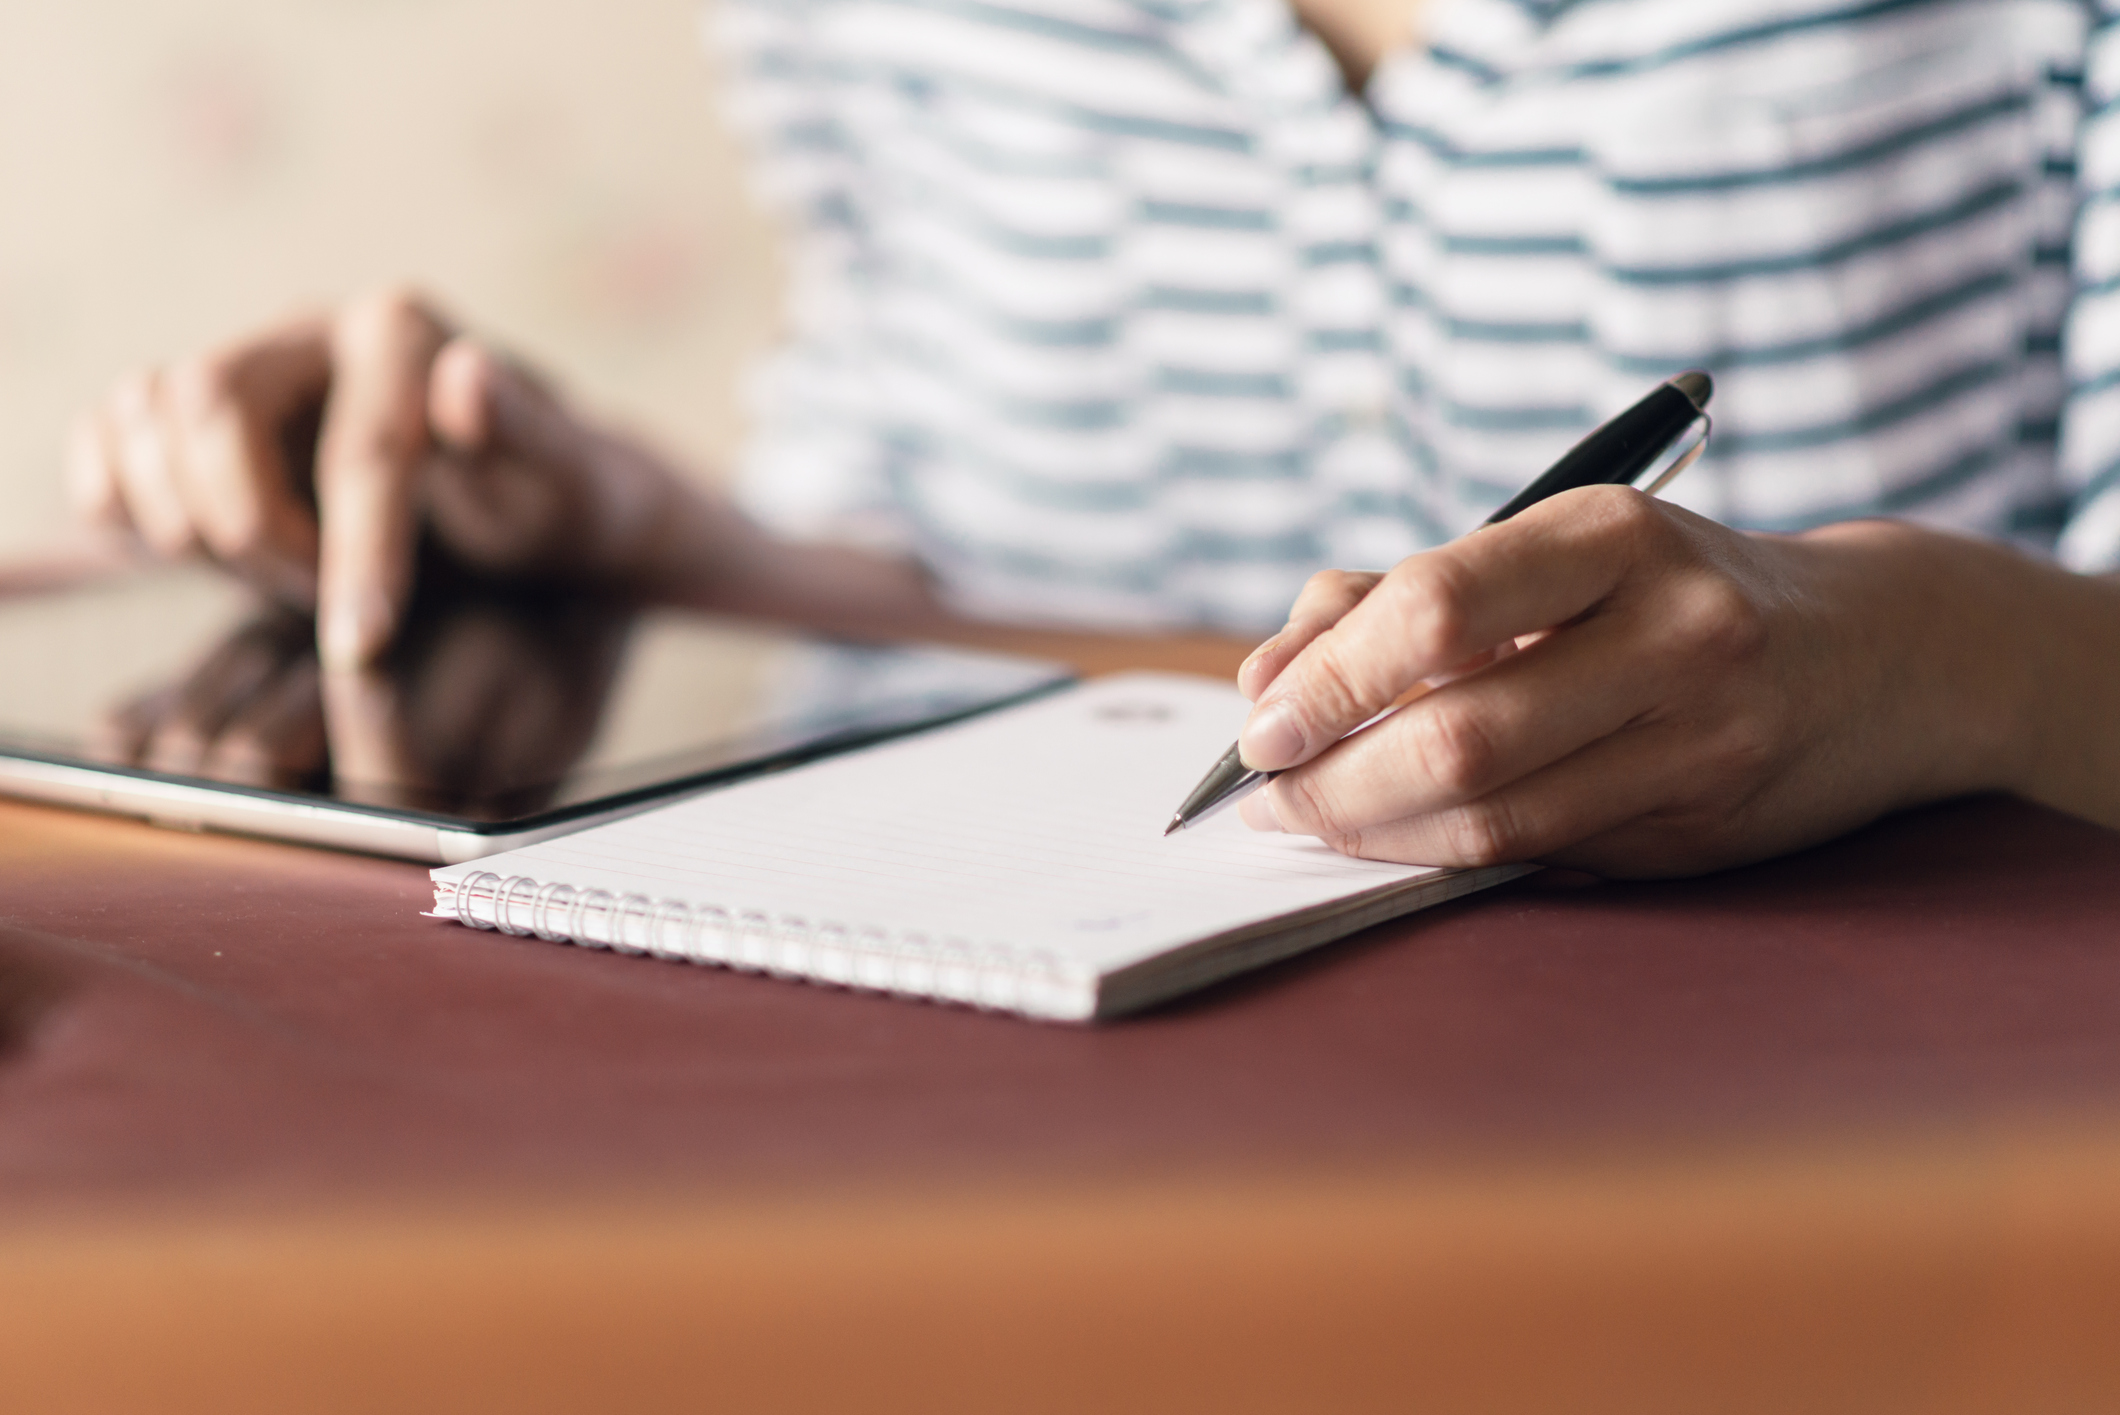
<point>492,709</point>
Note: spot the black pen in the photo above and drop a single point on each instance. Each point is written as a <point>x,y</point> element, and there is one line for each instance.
<point>1617,454</point>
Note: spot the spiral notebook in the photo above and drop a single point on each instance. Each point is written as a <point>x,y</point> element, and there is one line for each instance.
<point>1015,861</point>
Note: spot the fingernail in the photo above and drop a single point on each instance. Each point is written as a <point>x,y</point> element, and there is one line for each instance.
<point>1271,739</point>
<point>1262,650</point>
<point>1256,811</point>
<point>1250,667</point>
<point>356,629</point>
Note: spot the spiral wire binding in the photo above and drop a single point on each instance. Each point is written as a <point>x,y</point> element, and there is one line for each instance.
<point>985,975</point>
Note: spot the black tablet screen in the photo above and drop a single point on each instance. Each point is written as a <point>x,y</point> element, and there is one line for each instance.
<point>492,707</point>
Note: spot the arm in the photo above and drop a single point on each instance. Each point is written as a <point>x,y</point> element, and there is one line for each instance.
<point>425,429</point>
<point>1673,696</point>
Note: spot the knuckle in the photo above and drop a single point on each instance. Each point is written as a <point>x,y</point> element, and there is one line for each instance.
<point>1717,618</point>
<point>1744,752</point>
<point>1452,748</point>
<point>1325,597</point>
<point>1431,598</point>
<point>1333,585</point>
<point>1482,833</point>
<point>1353,844</point>
<point>1336,690</point>
<point>1304,807</point>
<point>1624,511</point>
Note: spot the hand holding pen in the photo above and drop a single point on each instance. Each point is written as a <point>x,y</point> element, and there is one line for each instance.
<point>1683,696</point>
<point>1673,416</point>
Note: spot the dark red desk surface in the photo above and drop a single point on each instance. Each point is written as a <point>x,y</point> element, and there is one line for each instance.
<point>209,1026</point>
<point>206,1016</point>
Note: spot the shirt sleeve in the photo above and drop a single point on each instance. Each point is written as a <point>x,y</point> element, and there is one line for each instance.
<point>2090,442</point>
<point>815,465</point>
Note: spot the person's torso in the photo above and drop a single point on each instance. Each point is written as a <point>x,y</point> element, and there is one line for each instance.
<point>1148,318</point>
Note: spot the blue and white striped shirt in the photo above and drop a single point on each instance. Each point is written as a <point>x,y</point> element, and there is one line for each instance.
<point>1126,311</point>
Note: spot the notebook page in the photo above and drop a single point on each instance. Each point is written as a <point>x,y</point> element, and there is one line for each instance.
<point>1038,826</point>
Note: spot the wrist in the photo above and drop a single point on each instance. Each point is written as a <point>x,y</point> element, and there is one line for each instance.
<point>2069,731</point>
<point>651,533</point>
<point>675,542</point>
<point>1975,656</point>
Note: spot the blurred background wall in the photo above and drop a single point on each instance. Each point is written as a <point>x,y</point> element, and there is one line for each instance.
<point>556,171</point>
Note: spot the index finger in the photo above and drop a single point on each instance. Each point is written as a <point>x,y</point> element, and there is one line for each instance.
<point>375,443</point>
<point>1324,602</point>
<point>1436,610</point>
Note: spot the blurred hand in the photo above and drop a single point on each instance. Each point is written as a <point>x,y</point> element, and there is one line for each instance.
<point>480,708</point>
<point>1621,685</point>
<point>311,457</point>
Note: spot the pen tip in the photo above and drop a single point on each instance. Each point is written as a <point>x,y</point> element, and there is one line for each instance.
<point>1177,823</point>
<point>1697,387</point>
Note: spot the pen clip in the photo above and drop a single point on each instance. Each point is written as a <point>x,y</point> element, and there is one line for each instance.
<point>1683,453</point>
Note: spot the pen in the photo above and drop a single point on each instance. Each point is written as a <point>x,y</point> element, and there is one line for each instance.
<point>1617,454</point>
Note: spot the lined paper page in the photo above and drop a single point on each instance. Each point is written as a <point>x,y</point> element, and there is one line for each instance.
<point>1038,826</point>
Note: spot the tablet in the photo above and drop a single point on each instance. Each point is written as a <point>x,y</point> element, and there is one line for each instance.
<point>497,720</point>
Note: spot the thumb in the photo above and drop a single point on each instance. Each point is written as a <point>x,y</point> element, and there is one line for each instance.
<point>515,490</point>
<point>480,403</point>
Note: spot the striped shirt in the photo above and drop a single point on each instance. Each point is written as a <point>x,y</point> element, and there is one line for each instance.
<point>1128,312</point>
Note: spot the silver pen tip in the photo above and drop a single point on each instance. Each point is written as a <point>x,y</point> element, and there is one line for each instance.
<point>1697,387</point>
<point>1177,823</point>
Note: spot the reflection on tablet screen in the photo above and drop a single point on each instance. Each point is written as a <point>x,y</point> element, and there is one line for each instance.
<point>493,707</point>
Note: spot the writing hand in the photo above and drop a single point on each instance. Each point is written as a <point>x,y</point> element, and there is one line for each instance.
<point>1630,688</point>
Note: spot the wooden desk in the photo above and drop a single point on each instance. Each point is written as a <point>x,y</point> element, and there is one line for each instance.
<point>1835,1133</point>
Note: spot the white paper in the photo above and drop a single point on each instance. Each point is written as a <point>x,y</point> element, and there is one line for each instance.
<point>1033,828</point>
